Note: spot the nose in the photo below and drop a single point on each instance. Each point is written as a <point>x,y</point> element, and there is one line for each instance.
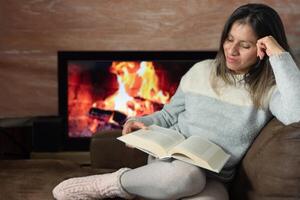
<point>233,50</point>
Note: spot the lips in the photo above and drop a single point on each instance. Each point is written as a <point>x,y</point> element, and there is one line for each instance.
<point>231,59</point>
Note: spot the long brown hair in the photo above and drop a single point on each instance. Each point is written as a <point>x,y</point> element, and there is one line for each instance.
<point>264,21</point>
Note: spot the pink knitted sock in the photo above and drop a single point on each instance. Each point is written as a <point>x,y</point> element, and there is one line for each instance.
<point>92,187</point>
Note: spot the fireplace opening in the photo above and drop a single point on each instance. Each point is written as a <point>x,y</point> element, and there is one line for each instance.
<point>98,91</point>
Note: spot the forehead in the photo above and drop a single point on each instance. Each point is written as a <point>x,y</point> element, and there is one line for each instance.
<point>243,32</point>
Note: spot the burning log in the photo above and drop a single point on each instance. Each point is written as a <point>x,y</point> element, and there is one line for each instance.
<point>119,117</point>
<point>100,114</point>
<point>100,119</point>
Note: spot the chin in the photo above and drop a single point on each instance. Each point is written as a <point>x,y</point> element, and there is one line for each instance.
<point>232,67</point>
<point>235,69</point>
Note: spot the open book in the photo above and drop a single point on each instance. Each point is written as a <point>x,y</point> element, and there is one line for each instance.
<point>165,143</point>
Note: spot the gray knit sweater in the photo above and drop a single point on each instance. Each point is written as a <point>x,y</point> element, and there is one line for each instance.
<point>228,117</point>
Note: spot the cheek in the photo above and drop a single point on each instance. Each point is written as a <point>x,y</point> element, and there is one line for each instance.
<point>225,47</point>
<point>250,57</point>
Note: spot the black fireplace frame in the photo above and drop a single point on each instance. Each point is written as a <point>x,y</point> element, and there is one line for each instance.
<point>82,144</point>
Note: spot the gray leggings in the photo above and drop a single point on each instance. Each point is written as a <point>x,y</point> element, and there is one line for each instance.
<point>168,179</point>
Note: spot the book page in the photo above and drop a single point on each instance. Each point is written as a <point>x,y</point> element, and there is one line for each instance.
<point>202,152</point>
<point>196,146</point>
<point>189,158</point>
<point>219,158</point>
<point>154,140</point>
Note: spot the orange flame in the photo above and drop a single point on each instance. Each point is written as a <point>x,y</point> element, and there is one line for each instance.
<point>138,89</point>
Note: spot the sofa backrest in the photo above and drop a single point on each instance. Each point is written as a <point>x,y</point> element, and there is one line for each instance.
<point>271,168</point>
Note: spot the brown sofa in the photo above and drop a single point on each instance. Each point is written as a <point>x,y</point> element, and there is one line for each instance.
<point>270,169</point>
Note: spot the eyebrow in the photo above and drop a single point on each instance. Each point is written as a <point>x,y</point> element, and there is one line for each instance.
<point>248,41</point>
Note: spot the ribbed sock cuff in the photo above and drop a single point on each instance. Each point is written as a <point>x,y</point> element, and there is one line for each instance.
<point>93,187</point>
<point>123,193</point>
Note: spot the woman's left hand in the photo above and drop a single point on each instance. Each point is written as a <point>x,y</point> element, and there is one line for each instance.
<point>268,45</point>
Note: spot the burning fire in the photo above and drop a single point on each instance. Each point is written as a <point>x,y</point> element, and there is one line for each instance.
<point>138,94</point>
<point>138,89</point>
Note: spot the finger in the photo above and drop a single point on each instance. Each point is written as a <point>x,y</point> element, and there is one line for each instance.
<point>139,125</point>
<point>126,130</point>
<point>260,49</point>
<point>132,126</point>
<point>261,54</point>
<point>129,146</point>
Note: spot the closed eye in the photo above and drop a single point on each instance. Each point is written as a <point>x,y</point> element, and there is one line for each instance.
<point>229,39</point>
<point>245,46</point>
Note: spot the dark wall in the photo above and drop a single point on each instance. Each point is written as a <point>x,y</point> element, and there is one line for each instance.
<point>32,32</point>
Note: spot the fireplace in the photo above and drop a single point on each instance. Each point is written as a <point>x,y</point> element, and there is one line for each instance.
<point>98,91</point>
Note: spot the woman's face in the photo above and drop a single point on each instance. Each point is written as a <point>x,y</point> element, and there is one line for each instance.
<point>240,48</point>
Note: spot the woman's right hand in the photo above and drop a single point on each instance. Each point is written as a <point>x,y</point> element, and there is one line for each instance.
<point>132,126</point>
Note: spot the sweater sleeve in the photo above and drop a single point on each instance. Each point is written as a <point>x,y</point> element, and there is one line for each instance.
<point>285,101</point>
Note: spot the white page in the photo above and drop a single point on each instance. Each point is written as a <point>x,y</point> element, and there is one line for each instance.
<point>154,139</point>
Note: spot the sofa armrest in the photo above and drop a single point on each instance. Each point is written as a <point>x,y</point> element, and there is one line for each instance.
<point>270,169</point>
<point>110,153</point>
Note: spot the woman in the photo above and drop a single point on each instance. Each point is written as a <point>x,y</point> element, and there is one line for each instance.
<point>226,100</point>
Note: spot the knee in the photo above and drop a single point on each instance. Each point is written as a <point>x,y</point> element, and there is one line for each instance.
<point>214,190</point>
<point>192,180</point>
<point>184,182</point>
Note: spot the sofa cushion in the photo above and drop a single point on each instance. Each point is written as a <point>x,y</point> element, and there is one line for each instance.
<point>271,168</point>
<point>108,152</point>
